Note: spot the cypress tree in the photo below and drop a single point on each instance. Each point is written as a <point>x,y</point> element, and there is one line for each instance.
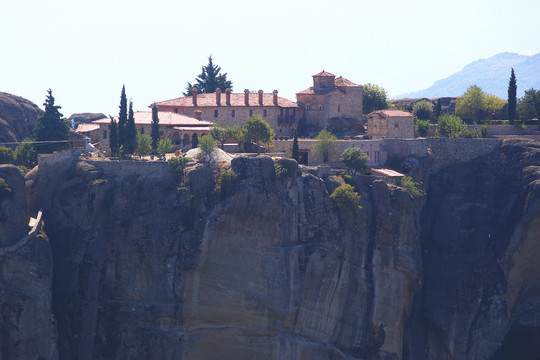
<point>512,93</point>
<point>131,132</point>
<point>113,136</point>
<point>122,118</point>
<point>438,108</point>
<point>155,127</point>
<point>295,152</point>
<point>50,126</point>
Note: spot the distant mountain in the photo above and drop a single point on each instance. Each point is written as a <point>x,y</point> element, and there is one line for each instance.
<point>491,75</point>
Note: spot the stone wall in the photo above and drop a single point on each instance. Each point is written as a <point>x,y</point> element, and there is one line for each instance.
<point>495,130</point>
<point>58,157</point>
<point>128,167</point>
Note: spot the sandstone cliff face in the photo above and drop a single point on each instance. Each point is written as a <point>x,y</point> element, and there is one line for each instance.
<point>18,117</point>
<point>13,209</point>
<point>479,242</point>
<point>146,269</point>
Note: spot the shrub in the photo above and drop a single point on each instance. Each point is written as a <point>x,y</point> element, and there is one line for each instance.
<point>413,187</point>
<point>226,183</point>
<point>326,146</point>
<point>346,177</point>
<point>422,128</point>
<point>483,131</point>
<point>282,172</point>
<point>144,145</point>
<point>26,154</point>
<point>355,159</point>
<point>7,156</point>
<point>164,146</point>
<point>450,126</point>
<point>423,110</point>
<point>346,198</point>
<point>5,190</point>
<point>178,163</point>
<point>467,134</point>
<point>207,145</point>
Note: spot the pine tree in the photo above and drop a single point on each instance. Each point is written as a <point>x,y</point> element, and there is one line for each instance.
<point>122,118</point>
<point>51,127</point>
<point>155,127</point>
<point>512,100</point>
<point>295,152</point>
<point>209,80</point>
<point>113,136</point>
<point>131,132</point>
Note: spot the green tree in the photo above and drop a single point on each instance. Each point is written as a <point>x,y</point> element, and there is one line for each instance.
<point>207,145</point>
<point>438,108</point>
<point>222,132</point>
<point>144,144</point>
<point>528,106</point>
<point>155,127</point>
<point>209,80</point>
<point>257,131</point>
<point>295,150</point>
<point>512,97</point>
<point>164,146</point>
<point>226,183</point>
<point>471,105</point>
<point>113,136</point>
<point>493,104</point>
<point>374,98</point>
<point>422,127</point>
<point>355,159</point>
<point>122,118</point>
<point>26,154</point>
<point>450,125</point>
<point>7,155</point>
<point>346,198</point>
<point>51,127</point>
<point>413,187</point>
<point>131,132</point>
<point>423,110</point>
<point>326,146</point>
<point>178,163</point>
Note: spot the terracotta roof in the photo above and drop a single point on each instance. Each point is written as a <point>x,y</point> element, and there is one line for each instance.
<point>391,113</point>
<point>311,91</point>
<point>386,172</point>
<point>237,99</point>
<point>165,118</point>
<point>324,73</point>
<point>83,127</point>
<point>341,81</point>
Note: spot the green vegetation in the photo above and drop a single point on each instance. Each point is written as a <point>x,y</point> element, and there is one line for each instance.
<point>326,146</point>
<point>113,137</point>
<point>483,131</point>
<point>450,126</point>
<point>178,163</point>
<point>423,110</point>
<point>154,133</point>
<point>164,146</point>
<point>475,105</point>
<point>346,177</point>
<point>122,118</point>
<point>7,155</point>
<point>346,198</point>
<point>26,154</point>
<point>528,106</point>
<point>355,159</point>
<point>144,144</point>
<point>207,145</point>
<point>131,132</point>
<point>257,131</point>
<point>375,98</point>
<point>295,150</point>
<point>512,100</point>
<point>226,182</point>
<point>222,132</point>
<point>282,172</point>
<point>422,127</point>
<point>51,127</point>
<point>209,80</point>
<point>413,187</point>
<point>5,190</point>
<point>438,109</point>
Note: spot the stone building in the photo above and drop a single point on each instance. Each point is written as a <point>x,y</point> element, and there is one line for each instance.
<point>394,124</point>
<point>330,97</point>
<point>234,108</point>
<point>184,131</point>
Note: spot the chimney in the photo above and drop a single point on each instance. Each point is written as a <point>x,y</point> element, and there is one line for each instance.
<point>218,97</point>
<point>275,97</point>
<point>194,96</point>
<point>228,96</point>
<point>246,97</point>
<point>198,115</point>
<point>260,97</point>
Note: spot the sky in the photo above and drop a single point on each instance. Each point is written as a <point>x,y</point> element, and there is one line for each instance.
<point>86,50</point>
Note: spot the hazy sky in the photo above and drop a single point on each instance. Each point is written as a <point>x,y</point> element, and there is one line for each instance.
<point>85,50</point>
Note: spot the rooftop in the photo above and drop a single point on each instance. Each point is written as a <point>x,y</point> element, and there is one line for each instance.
<point>165,118</point>
<point>237,99</point>
<point>324,73</point>
<point>84,127</point>
<point>391,113</point>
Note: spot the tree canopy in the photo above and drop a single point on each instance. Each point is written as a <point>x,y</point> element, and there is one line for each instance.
<point>374,98</point>
<point>450,125</point>
<point>528,107</point>
<point>346,198</point>
<point>355,159</point>
<point>476,105</point>
<point>51,126</point>
<point>222,132</point>
<point>122,118</point>
<point>258,131</point>
<point>512,99</point>
<point>155,127</point>
<point>326,145</point>
<point>113,136</point>
<point>130,144</point>
<point>209,80</point>
<point>423,110</point>
<point>207,145</point>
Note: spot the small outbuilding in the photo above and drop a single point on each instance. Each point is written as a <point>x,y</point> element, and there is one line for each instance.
<point>390,124</point>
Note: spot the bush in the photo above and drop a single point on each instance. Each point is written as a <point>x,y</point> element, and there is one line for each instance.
<point>178,163</point>
<point>5,190</point>
<point>483,131</point>
<point>413,187</point>
<point>164,146</point>
<point>423,110</point>
<point>207,145</point>
<point>422,128</point>
<point>355,159</point>
<point>450,126</point>
<point>282,172</point>
<point>226,183</point>
<point>346,177</point>
<point>26,154</point>
<point>467,134</point>
<point>326,146</point>
<point>144,145</point>
<point>7,156</point>
<point>346,198</point>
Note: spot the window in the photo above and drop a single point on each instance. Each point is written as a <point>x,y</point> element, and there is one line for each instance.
<point>104,134</point>
<point>396,125</point>
<point>215,113</point>
<point>339,108</point>
<point>250,112</point>
<point>233,113</point>
<point>264,113</point>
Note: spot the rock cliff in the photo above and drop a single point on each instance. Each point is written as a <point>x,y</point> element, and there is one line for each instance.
<point>18,117</point>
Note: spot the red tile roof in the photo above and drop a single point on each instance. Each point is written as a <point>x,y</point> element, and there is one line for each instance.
<point>391,113</point>
<point>387,172</point>
<point>83,127</point>
<point>237,99</point>
<point>165,118</point>
<point>341,81</point>
<point>324,73</point>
